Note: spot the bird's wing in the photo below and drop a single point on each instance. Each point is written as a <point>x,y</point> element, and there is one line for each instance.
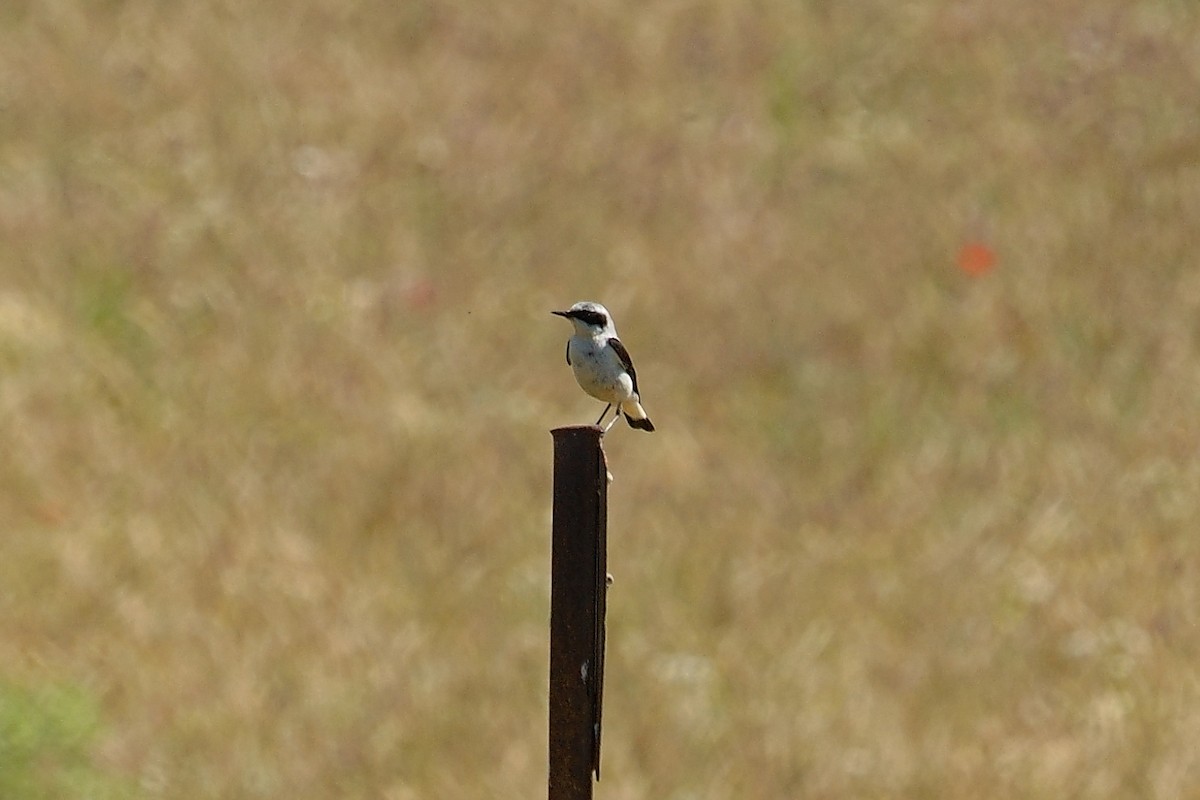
<point>626,361</point>
<point>568,352</point>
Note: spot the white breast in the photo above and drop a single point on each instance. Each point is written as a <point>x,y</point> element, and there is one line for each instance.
<point>599,371</point>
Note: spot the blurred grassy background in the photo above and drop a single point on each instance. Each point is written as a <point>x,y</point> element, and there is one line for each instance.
<point>277,370</point>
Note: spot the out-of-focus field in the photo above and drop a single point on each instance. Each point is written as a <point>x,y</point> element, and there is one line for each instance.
<point>277,370</point>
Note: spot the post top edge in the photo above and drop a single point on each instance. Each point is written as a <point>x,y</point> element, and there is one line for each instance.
<point>568,430</point>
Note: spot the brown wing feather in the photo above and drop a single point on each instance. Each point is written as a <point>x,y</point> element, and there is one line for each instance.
<point>626,361</point>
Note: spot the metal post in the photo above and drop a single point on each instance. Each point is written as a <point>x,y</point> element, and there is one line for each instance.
<point>578,569</point>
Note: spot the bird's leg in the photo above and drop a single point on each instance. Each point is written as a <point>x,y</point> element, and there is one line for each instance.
<point>606,408</point>
<point>613,421</point>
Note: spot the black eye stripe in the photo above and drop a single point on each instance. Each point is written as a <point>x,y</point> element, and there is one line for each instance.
<point>592,318</point>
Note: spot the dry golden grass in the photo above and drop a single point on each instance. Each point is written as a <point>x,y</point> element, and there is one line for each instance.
<point>277,371</point>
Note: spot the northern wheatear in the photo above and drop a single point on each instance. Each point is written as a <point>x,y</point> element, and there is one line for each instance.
<point>602,365</point>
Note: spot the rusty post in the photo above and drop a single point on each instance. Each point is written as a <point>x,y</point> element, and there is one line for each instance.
<point>578,568</point>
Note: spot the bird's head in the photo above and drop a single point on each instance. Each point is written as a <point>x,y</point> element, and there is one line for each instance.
<point>589,318</point>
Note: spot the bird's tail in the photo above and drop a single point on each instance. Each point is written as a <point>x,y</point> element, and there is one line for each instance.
<point>636,416</point>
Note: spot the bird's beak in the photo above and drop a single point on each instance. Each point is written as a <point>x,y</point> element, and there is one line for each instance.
<point>566,314</point>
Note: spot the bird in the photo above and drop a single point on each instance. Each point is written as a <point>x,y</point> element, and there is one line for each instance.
<point>602,365</point>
